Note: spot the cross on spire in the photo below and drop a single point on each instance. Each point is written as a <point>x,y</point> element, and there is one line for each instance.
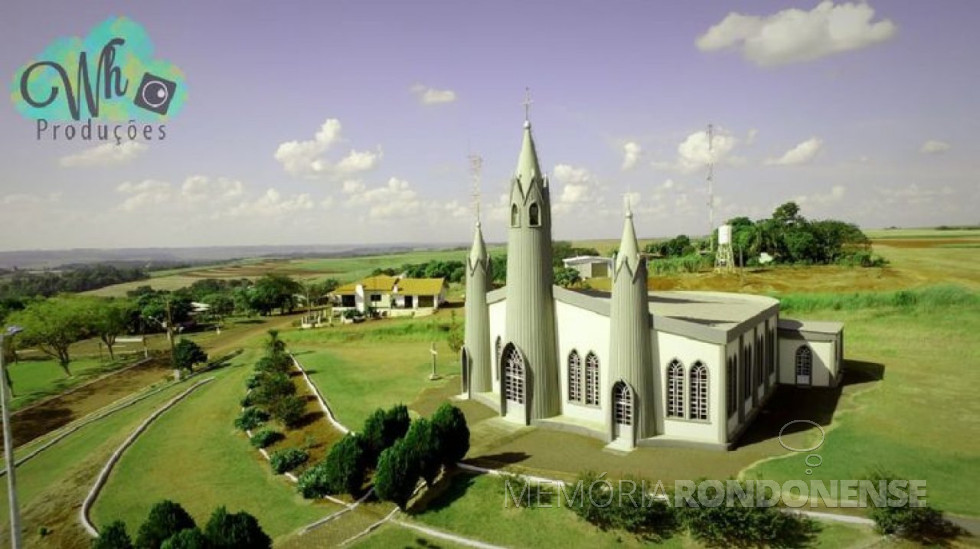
<point>527,104</point>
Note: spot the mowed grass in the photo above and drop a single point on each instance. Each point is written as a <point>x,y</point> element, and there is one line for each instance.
<point>392,535</point>
<point>37,378</point>
<point>195,456</point>
<point>921,420</point>
<point>465,496</point>
<point>53,484</point>
<point>375,364</point>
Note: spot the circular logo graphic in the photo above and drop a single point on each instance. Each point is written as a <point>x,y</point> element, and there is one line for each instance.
<point>823,436</point>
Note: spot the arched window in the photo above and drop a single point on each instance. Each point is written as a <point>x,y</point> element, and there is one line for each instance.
<point>464,360</point>
<point>623,404</point>
<point>804,365</point>
<point>513,375</point>
<point>574,377</point>
<point>732,376</point>
<point>499,350</point>
<point>675,389</point>
<point>515,216</point>
<point>534,215</point>
<point>699,391</point>
<point>592,379</point>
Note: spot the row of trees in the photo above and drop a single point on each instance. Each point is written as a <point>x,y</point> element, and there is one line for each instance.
<point>398,450</point>
<point>24,285</point>
<point>272,392</point>
<point>170,526</point>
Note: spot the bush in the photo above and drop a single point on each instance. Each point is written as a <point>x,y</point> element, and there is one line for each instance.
<point>187,354</point>
<point>289,410</point>
<point>250,418</point>
<point>341,472</point>
<point>920,523</point>
<point>397,475</point>
<point>166,518</point>
<point>272,387</point>
<point>235,531</point>
<point>451,434</point>
<point>287,459</point>
<point>253,380</point>
<point>113,536</point>
<point>421,441</point>
<point>382,429</point>
<point>276,364</point>
<point>188,538</point>
<point>266,437</point>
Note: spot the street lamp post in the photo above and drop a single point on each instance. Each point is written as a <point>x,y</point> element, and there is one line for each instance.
<point>8,442</point>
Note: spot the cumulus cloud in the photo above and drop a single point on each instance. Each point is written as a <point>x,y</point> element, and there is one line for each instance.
<point>20,199</point>
<point>271,204</point>
<point>913,194</point>
<point>578,187</point>
<point>433,96</point>
<point>693,154</point>
<point>934,146</point>
<point>306,158</point>
<point>794,35</point>
<point>148,192</point>
<point>835,194</point>
<point>396,199</point>
<point>631,155</point>
<point>800,154</point>
<point>199,188</point>
<point>107,154</point>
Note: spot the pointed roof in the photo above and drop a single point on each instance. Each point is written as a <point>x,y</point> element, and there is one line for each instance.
<point>479,250</point>
<point>527,162</point>
<point>629,249</point>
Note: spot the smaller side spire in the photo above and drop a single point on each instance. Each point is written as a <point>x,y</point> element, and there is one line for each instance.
<point>478,252</point>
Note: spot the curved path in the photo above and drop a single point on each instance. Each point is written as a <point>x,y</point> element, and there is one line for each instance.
<point>107,468</point>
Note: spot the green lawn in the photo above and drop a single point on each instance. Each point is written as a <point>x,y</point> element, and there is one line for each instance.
<point>468,496</point>
<point>53,484</point>
<point>194,455</point>
<point>392,535</point>
<point>35,379</point>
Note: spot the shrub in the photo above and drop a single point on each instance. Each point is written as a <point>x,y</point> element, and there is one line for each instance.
<point>341,472</point>
<point>287,459</point>
<point>246,400</point>
<point>188,538</point>
<point>187,354</point>
<point>113,536</point>
<point>397,475</point>
<point>289,410</point>
<point>382,429</point>
<point>250,418</point>
<point>919,523</point>
<point>451,433</point>
<point>166,518</point>
<point>276,364</point>
<point>606,505</point>
<point>253,380</point>
<point>421,440</point>
<point>266,437</point>
<point>235,531</point>
<point>272,387</point>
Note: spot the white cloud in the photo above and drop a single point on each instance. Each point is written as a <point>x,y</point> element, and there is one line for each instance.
<point>107,154</point>
<point>934,146</point>
<point>913,194</point>
<point>750,136</point>
<point>271,204</point>
<point>149,192</point>
<point>396,199</point>
<point>693,153</point>
<point>19,199</point>
<point>631,155</point>
<point>578,187</point>
<point>305,158</point>
<point>200,188</point>
<point>794,35</point>
<point>800,154</point>
<point>432,96</point>
<point>835,195</point>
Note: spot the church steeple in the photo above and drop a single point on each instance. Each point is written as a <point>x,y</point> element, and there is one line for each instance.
<point>475,355</point>
<point>630,346</point>
<point>528,169</point>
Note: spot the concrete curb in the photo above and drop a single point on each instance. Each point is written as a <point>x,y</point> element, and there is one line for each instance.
<point>107,468</point>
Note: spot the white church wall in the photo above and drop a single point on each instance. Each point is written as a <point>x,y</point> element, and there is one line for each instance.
<point>823,361</point>
<point>672,346</point>
<point>583,331</point>
<point>732,353</point>
<point>498,325</point>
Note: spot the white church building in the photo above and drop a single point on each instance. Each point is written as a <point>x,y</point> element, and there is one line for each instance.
<point>634,367</point>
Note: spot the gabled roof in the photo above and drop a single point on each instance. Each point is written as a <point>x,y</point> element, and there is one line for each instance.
<point>380,283</point>
<point>420,286</point>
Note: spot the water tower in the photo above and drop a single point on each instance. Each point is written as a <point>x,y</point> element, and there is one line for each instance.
<point>725,259</point>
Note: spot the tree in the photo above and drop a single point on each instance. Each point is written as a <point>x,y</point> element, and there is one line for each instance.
<point>421,440</point>
<point>451,433</point>
<point>788,213</point>
<point>52,325</point>
<point>166,518</point>
<point>188,353</point>
<point>188,538</point>
<point>110,318</point>
<point>567,276</point>
<point>113,536</point>
<point>274,291</point>
<point>382,429</point>
<point>289,410</point>
<point>235,531</point>
<point>341,472</point>
<point>397,474</point>
<point>454,337</point>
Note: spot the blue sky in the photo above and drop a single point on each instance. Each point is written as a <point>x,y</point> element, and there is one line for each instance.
<point>352,122</point>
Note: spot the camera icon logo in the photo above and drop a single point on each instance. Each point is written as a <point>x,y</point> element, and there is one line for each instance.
<point>155,93</point>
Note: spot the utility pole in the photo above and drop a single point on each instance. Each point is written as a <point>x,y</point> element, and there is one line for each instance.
<point>8,442</point>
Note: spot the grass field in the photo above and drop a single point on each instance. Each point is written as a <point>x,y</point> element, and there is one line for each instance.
<point>195,456</point>
<point>465,496</point>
